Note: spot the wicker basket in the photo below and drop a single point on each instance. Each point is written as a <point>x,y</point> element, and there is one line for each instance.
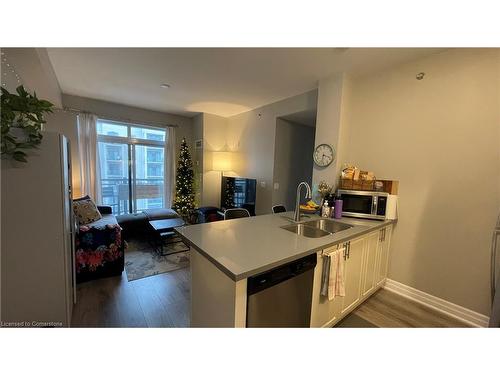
<point>351,184</point>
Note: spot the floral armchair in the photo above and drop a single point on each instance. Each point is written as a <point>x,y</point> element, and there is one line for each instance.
<point>99,248</point>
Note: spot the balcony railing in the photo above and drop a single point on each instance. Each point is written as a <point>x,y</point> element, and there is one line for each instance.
<point>148,193</point>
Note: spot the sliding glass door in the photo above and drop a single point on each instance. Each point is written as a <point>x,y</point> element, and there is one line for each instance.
<point>149,177</point>
<point>132,166</point>
<point>115,176</point>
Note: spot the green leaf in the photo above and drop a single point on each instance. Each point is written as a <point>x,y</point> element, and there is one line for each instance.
<point>20,156</point>
<point>25,111</point>
<point>32,118</point>
<point>46,104</point>
<point>21,91</point>
<point>9,138</point>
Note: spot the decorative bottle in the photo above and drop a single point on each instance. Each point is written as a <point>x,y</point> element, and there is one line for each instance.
<point>325,212</point>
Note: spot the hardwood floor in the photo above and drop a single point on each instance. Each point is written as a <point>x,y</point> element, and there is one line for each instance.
<point>389,310</point>
<point>156,301</point>
<point>164,301</point>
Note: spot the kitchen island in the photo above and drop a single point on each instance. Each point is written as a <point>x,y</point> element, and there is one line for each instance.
<point>225,254</point>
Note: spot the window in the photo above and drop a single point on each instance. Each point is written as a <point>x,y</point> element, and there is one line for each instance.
<point>154,170</point>
<point>113,129</point>
<point>131,159</point>
<point>114,158</point>
<point>114,152</point>
<point>148,133</point>
<point>155,137</point>
<point>154,203</point>
<point>154,155</point>
<point>114,169</point>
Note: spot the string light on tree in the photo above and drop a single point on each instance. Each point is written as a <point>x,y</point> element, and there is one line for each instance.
<point>184,180</point>
<point>10,79</point>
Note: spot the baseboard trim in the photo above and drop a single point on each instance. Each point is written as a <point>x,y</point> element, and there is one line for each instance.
<point>468,316</point>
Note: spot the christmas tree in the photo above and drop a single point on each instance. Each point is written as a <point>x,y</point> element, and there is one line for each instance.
<point>229,196</point>
<point>184,192</point>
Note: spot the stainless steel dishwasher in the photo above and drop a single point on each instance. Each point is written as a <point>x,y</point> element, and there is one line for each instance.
<point>282,296</point>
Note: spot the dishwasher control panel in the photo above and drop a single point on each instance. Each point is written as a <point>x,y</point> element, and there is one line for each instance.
<point>280,274</point>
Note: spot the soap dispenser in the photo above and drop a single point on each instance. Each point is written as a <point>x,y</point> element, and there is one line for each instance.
<point>325,212</point>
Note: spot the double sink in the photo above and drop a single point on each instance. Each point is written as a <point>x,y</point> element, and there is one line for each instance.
<point>317,228</point>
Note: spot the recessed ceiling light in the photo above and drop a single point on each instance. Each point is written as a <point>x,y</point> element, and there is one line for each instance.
<point>165,86</point>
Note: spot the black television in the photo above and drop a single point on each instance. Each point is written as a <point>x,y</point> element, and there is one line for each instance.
<point>238,192</point>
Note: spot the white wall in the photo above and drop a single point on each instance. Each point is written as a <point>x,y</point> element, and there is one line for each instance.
<point>35,69</point>
<point>292,160</point>
<point>117,111</point>
<point>67,123</point>
<point>344,131</point>
<point>214,139</point>
<point>198,158</point>
<point>36,75</point>
<point>252,136</point>
<point>328,125</point>
<point>440,137</point>
<point>133,114</point>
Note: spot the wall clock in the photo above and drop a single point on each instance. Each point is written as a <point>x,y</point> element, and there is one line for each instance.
<point>323,155</point>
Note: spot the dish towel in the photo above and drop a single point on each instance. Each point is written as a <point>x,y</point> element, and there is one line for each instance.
<point>325,275</point>
<point>340,284</point>
<point>332,279</point>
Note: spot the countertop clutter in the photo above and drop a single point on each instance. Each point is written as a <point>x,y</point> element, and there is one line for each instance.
<point>353,178</point>
<point>246,247</point>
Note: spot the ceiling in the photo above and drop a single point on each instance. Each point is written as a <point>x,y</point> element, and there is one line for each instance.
<point>221,81</point>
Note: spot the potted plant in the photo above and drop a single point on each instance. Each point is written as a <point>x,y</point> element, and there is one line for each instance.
<point>21,122</point>
<point>324,190</point>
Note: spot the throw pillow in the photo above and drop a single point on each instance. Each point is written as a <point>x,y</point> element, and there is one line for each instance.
<point>85,210</point>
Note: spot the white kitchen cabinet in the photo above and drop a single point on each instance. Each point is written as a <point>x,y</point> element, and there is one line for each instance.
<point>383,254</point>
<point>323,311</point>
<point>370,262</point>
<point>353,273</point>
<point>365,271</point>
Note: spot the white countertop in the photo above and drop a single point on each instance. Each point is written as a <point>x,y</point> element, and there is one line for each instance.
<point>245,247</point>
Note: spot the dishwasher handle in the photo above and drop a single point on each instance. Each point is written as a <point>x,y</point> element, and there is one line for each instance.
<point>279,274</point>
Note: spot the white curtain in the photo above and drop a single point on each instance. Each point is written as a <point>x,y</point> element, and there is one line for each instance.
<point>170,162</point>
<point>89,157</point>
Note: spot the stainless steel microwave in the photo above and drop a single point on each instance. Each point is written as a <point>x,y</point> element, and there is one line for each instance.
<point>364,204</point>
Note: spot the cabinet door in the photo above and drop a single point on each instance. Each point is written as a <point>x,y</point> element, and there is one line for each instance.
<point>353,271</point>
<point>370,263</point>
<point>383,256</point>
<point>323,312</point>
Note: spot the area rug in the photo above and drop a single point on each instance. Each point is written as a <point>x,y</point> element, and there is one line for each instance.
<point>141,260</point>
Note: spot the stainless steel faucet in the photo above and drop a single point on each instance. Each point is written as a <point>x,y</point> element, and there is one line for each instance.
<point>296,216</point>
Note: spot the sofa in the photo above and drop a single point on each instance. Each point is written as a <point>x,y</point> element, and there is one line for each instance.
<point>99,248</point>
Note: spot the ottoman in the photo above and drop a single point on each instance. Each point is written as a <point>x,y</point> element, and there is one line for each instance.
<point>137,224</point>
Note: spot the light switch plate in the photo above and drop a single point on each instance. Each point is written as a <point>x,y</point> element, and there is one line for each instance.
<point>276,186</point>
<point>263,184</point>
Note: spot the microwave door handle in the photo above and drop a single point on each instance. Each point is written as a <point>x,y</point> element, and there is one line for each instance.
<point>374,205</point>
